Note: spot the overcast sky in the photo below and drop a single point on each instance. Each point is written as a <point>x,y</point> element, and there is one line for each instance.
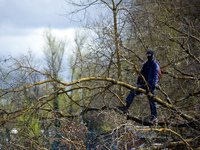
<point>23,22</point>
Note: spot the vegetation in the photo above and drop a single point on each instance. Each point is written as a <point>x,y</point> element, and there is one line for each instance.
<point>48,112</point>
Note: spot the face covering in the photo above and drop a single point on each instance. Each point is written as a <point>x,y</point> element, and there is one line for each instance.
<point>150,56</point>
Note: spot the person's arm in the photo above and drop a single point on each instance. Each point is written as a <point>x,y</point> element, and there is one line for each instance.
<point>155,74</point>
<point>139,80</point>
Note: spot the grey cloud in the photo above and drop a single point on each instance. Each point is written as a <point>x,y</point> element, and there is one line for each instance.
<point>33,13</point>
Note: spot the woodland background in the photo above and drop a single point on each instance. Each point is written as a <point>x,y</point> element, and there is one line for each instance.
<point>39,110</point>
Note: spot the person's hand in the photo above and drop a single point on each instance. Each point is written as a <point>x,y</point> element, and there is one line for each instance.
<point>157,87</point>
<point>152,86</point>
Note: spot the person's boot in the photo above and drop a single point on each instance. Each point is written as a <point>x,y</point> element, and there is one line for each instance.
<point>123,108</point>
<point>153,120</point>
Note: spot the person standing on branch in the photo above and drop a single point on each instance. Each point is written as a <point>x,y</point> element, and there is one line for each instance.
<point>151,73</point>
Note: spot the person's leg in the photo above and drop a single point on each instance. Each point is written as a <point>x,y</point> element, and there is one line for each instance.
<point>130,99</point>
<point>153,106</point>
<point>132,95</point>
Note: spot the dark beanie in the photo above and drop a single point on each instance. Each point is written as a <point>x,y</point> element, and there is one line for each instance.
<point>150,52</point>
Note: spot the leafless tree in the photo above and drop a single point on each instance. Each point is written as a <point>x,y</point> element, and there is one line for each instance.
<point>109,66</point>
